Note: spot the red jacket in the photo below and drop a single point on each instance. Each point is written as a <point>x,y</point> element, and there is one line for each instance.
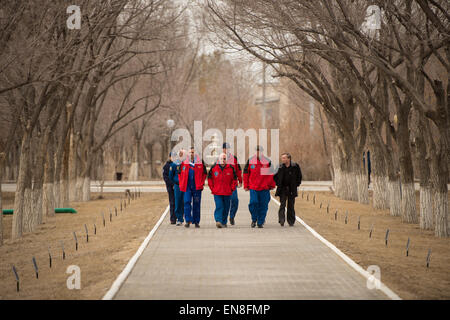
<point>199,173</point>
<point>222,181</point>
<point>233,161</point>
<point>258,174</point>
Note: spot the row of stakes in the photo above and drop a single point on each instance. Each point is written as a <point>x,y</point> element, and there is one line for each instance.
<point>123,205</point>
<point>386,237</point>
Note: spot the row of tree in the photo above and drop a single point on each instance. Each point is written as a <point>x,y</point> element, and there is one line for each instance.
<point>380,71</point>
<point>64,93</point>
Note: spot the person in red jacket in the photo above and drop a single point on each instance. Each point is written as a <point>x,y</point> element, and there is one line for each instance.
<point>258,178</point>
<point>233,161</point>
<point>191,181</point>
<point>222,180</point>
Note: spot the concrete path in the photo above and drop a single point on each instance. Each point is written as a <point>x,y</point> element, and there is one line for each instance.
<point>241,263</point>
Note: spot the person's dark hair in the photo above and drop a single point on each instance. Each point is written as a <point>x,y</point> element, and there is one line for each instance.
<point>286,154</point>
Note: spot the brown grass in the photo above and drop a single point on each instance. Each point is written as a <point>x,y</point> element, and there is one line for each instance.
<point>100,260</point>
<point>407,276</point>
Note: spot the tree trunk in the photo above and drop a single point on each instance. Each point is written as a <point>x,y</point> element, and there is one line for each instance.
<point>426,207</point>
<point>64,178</point>
<point>362,180</point>
<point>408,205</point>
<point>440,178</point>
<point>17,224</point>
<point>29,217</point>
<point>1,205</point>
<point>395,197</point>
<point>48,199</point>
<point>134,168</point>
<point>73,169</point>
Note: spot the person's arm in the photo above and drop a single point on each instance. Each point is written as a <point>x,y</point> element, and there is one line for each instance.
<point>276,176</point>
<point>166,170</point>
<point>235,180</point>
<point>272,183</point>
<point>172,173</point>
<point>211,179</point>
<point>246,175</point>
<point>239,171</point>
<point>299,181</point>
<point>204,172</point>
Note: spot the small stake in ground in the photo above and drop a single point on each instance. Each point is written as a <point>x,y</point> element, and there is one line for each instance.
<point>35,267</point>
<point>103,217</point>
<point>302,194</point>
<point>386,237</point>
<point>428,258</point>
<point>307,197</point>
<point>87,234</point>
<point>95,229</point>
<point>49,257</point>
<point>115,210</point>
<point>335,215</point>
<point>359,223</point>
<point>63,252</point>
<point>314,199</point>
<point>110,215</point>
<point>120,204</point>
<point>371,230</point>
<point>320,206</point>
<point>17,277</point>
<point>407,247</point>
<point>76,241</point>
<point>346,217</point>
<point>328,207</point>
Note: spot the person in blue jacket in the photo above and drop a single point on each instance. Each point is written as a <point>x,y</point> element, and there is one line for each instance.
<point>174,170</point>
<point>170,188</point>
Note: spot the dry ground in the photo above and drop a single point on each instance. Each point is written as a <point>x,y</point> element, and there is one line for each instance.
<point>407,276</point>
<point>100,260</point>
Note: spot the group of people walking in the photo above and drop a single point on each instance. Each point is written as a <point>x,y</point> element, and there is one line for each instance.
<point>185,174</point>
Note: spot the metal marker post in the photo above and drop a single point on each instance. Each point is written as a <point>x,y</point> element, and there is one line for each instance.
<point>87,234</point>
<point>49,257</point>
<point>407,247</point>
<point>35,267</point>
<point>386,237</point>
<point>63,252</point>
<point>17,277</point>
<point>76,241</point>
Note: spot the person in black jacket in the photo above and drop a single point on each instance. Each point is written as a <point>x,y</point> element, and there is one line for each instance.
<point>170,191</point>
<point>287,178</point>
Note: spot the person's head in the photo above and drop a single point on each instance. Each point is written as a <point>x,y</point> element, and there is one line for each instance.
<point>226,147</point>
<point>181,153</point>
<point>192,153</point>
<point>223,159</point>
<point>286,158</point>
<point>259,150</point>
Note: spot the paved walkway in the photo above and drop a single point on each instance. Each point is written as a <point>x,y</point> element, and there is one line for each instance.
<point>241,263</point>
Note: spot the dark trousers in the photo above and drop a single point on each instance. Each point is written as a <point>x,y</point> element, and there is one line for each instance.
<point>290,208</point>
<point>171,194</point>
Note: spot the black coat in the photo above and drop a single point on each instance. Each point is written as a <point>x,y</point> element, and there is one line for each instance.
<point>294,180</point>
<point>166,169</point>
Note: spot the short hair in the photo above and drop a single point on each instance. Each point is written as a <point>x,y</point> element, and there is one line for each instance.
<point>286,154</point>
